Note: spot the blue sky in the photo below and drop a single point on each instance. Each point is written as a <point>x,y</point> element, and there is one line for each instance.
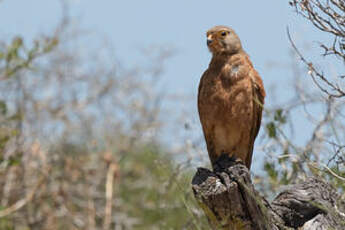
<point>179,25</point>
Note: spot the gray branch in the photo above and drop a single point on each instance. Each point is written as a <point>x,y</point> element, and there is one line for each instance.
<point>230,201</point>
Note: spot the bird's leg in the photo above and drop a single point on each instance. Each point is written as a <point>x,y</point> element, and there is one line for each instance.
<point>224,161</point>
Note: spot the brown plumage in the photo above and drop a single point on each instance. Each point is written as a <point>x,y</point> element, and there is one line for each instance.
<point>231,97</point>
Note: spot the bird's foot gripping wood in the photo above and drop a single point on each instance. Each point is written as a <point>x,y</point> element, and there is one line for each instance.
<point>225,161</point>
<point>230,201</point>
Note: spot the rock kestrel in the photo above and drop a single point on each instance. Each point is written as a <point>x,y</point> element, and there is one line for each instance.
<point>230,99</point>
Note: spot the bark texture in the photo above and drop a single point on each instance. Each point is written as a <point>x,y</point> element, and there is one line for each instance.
<point>230,201</point>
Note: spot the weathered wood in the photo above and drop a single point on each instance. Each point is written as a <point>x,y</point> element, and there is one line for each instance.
<point>230,201</point>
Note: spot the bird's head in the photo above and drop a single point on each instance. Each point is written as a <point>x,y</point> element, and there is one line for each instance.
<point>223,40</point>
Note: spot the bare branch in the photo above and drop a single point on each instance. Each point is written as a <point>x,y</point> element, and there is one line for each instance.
<point>339,92</point>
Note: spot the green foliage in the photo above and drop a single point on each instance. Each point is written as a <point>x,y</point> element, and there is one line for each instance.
<point>3,108</point>
<point>279,116</point>
<point>15,56</point>
<point>291,163</point>
<point>156,193</point>
<point>279,119</point>
<point>150,191</point>
<point>5,224</point>
<point>271,171</point>
<point>271,129</point>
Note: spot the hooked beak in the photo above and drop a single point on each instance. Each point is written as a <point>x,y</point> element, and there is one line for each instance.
<point>209,40</point>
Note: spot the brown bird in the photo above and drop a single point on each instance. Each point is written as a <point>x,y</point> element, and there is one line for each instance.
<point>230,99</point>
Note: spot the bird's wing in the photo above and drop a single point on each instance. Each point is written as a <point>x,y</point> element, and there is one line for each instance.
<point>204,118</point>
<point>259,99</point>
<point>201,82</point>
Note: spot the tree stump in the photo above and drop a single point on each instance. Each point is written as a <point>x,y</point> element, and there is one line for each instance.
<point>230,201</point>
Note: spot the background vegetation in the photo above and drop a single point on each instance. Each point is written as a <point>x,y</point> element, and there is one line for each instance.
<point>81,144</point>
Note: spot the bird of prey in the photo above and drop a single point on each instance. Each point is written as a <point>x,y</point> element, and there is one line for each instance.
<point>230,98</point>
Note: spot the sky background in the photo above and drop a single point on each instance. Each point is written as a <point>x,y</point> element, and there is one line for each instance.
<point>179,25</point>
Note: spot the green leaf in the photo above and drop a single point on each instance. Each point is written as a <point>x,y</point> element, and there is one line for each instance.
<point>14,160</point>
<point>17,42</point>
<point>279,116</point>
<point>52,44</point>
<point>271,171</point>
<point>282,159</point>
<point>271,128</point>
<point>3,107</point>
<point>13,50</point>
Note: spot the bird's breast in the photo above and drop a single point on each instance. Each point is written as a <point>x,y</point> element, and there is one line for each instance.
<point>226,95</point>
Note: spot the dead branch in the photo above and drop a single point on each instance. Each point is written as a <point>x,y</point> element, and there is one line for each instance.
<point>21,203</point>
<point>315,74</point>
<point>230,201</point>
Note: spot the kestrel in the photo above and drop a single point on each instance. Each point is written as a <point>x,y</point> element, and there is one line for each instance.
<point>230,99</point>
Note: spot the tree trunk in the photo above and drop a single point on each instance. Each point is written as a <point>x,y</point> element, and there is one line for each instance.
<point>230,201</point>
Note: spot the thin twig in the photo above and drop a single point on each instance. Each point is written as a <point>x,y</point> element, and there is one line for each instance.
<point>312,71</point>
<point>333,173</point>
<point>21,203</point>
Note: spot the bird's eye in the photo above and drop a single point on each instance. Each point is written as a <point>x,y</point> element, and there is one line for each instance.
<point>224,33</point>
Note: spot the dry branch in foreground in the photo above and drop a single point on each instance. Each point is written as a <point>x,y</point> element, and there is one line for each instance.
<point>230,201</point>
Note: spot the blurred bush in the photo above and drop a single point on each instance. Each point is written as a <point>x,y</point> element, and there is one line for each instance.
<point>79,141</point>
